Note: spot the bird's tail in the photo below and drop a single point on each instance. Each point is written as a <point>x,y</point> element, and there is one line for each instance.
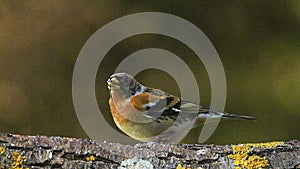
<point>214,113</point>
<point>234,116</point>
<point>203,114</point>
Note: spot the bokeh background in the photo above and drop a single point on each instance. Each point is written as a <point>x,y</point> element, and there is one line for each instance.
<point>257,41</point>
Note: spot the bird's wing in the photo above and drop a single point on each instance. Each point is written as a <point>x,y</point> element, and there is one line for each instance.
<point>154,103</point>
<point>157,104</point>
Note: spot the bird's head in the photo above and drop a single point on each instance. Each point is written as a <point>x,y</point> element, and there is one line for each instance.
<point>124,84</point>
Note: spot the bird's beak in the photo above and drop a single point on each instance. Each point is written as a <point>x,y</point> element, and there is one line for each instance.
<point>109,81</point>
<point>113,83</point>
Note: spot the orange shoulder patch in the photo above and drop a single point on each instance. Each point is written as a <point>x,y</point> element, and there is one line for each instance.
<point>140,100</point>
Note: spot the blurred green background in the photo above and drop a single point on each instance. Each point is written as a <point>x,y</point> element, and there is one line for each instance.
<point>257,41</point>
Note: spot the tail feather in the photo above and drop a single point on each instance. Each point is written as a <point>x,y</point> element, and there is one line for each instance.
<point>206,113</point>
<point>233,116</point>
<point>214,113</point>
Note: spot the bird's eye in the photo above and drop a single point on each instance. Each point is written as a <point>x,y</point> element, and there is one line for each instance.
<point>132,92</point>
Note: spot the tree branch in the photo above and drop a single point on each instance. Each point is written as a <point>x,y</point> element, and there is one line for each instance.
<point>61,152</point>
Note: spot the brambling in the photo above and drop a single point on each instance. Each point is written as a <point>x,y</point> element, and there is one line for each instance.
<point>148,114</point>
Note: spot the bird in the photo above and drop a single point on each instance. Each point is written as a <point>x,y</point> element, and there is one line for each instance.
<point>147,114</point>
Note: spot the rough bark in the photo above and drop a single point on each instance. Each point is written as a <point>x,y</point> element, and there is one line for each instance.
<point>61,152</point>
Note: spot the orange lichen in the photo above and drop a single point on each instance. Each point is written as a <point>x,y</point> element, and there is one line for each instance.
<point>17,161</point>
<point>242,159</point>
<point>179,166</point>
<point>90,158</point>
<point>2,150</point>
